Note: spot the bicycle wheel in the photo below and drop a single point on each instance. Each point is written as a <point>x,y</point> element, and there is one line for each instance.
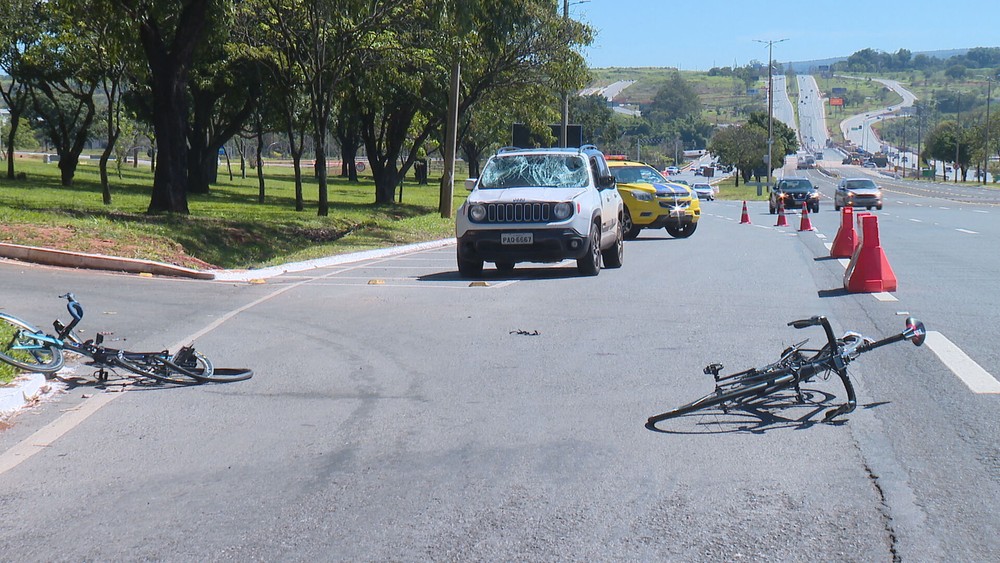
<point>21,347</point>
<point>156,366</point>
<point>760,384</point>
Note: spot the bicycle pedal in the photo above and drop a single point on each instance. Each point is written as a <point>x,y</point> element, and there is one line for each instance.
<point>713,369</point>
<point>183,356</point>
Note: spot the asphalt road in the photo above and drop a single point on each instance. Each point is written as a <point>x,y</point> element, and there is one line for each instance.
<point>400,413</point>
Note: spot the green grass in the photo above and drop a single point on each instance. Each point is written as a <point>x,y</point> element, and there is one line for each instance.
<point>729,191</point>
<point>226,228</point>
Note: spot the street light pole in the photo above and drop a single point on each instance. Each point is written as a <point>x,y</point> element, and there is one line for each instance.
<point>986,141</point>
<point>770,102</point>
<point>564,125</point>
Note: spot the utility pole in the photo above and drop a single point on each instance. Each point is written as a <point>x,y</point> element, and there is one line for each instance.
<point>770,102</point>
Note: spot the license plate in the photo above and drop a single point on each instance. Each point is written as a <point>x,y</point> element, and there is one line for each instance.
<point>516,238</point>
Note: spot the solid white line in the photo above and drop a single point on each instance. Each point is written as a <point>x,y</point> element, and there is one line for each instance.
<point>972,374</point>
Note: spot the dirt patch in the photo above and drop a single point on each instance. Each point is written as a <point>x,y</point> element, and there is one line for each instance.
<point>79,240</point>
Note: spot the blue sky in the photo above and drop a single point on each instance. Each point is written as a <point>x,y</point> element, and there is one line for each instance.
<point>702,34</point>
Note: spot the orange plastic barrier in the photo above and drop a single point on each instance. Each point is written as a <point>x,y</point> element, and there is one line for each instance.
<point>869,270</point>
<point>847,238</point>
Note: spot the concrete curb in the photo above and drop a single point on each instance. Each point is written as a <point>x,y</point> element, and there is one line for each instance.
<point>24,389</point>
<point>68,259</point>
<point>82,260</point>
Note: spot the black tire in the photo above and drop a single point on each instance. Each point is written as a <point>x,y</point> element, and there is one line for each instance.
<point>759,386</point>
<point>836,207</point>
<point>815,209</point>
<point>771,209</point>
<point>590,263</point>
<point>631,229</point>
<point>157,366</point>
<point>225,375</point>
<point>613,256</point>
<point>470,268</point>
<point>20,348</point>
<point>683,230</point>
<point>505,266</point>
<point>878,207</point>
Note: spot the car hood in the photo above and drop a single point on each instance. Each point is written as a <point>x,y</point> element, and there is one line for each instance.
<point>510,195</point>
<point>661,190</point>
<point>866,191</point>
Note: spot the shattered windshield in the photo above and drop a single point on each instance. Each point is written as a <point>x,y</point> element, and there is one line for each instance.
<point>535,170</point>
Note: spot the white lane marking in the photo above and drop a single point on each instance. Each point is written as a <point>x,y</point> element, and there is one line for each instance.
<point>884,296</point>
<point>979,211</point>
<point>967,231</point>
<point>972,374</point>
<point>916,220</point>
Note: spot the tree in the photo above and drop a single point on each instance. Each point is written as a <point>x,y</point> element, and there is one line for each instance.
<point>674,101</point>
<point>942,143</point>
<point>62,76</point>
<point>323,38</point>
<point>743,146</point>
<point>169,34</point>
<point>19,28</point>
<point>782,134</point>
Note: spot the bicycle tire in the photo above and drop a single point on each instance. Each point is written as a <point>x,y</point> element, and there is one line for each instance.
<point>156,366</point>
<point>225,375</point>
<point>19,347</point>
<point>761,385</point>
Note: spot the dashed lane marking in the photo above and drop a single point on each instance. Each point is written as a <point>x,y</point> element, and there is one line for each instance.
<point>972,374</point>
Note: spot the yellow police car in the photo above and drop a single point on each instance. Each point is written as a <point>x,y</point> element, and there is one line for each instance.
<point>652,201</point>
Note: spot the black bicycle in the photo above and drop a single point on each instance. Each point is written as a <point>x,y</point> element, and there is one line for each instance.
<point>30,349</point>
<point>797,365</point>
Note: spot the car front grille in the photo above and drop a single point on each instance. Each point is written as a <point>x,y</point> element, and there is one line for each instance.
<point>674,203</point>
<point>518,213</point>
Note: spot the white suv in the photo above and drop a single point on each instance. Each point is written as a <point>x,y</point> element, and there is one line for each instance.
<point>541,205</point>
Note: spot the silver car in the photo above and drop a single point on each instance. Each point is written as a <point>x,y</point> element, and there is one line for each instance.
<point>857,192</point>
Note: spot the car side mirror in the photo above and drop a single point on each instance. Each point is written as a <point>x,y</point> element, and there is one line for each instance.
<point>470,183</point>
<point>605,182</point>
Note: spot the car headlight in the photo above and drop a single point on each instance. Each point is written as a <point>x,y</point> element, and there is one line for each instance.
<point>850,194</point>
<point>642,196</point>
<point>562,210</point>
<point>477,212</point>
<point>878,193</point>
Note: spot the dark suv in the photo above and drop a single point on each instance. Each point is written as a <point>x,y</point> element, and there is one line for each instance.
<point>792,193</point>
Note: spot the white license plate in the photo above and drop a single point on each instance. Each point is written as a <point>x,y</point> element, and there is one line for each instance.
<point>517,238</point>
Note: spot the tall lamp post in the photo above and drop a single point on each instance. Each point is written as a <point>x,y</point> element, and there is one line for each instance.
<point>564,126</point>
<point>770,101</point>
<point>986,141</point>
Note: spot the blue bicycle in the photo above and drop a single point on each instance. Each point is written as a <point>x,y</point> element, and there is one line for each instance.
<point>30,349</point>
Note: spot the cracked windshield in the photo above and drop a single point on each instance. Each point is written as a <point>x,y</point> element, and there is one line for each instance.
<point>550,171</point>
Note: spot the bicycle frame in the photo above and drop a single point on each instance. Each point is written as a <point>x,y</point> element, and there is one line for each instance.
<point>793,368</point>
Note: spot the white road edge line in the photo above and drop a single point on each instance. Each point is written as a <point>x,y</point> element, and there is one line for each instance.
<point>972,374</point>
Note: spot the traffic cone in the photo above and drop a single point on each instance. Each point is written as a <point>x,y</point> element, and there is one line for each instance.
<point>869,270</point>
<point>782,222</point>
<point>847,238</point>
<point>805,224</point>
<point>745,218</point>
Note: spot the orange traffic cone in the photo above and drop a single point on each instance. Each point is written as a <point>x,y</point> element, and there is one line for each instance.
<point>782,222</point>
<point>869,270</point>
<point>805,224</point>
<point>745,218</point>
<point>847,238</point>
